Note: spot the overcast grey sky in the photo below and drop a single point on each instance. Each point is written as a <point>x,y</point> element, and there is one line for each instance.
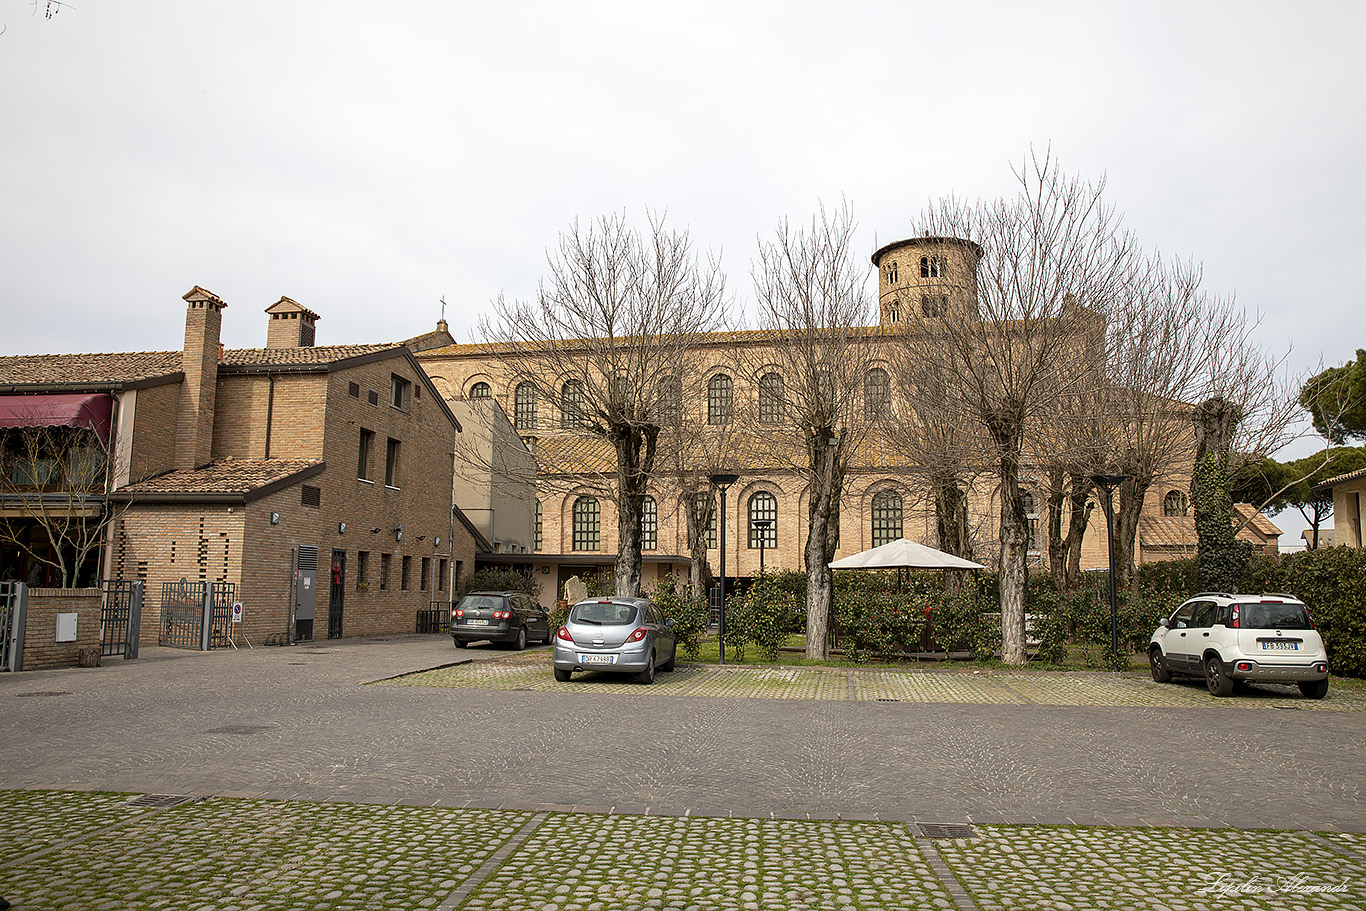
<point>368,158</point>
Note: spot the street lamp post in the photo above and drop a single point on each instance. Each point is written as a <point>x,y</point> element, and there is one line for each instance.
<point>762,525</point>
<point>1108,483</point>
<point>722,483</point>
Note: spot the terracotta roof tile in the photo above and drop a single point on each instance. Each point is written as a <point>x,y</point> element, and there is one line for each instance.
<point>1341,479</point>
<point>94,369</point>
<point>130,367</point>
<point>226,476</point>
<point>1179,531</point>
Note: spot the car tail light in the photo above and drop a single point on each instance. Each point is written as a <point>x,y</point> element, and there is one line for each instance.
<point>639,634</point>
<point>458,612</point>
<point>563,634</point>
<point>1233,619</point>
<point>1244,665</point>
<point>502,614</point>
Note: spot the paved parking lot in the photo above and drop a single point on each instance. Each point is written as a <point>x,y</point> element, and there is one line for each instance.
<point>363,774</point>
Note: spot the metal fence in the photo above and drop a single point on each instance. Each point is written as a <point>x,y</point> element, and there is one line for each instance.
<point>196,615</point>
<point>121,618</point>
<point>13,615</point>
<point>436,619</point>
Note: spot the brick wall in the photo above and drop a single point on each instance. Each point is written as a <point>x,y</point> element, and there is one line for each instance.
<point>154,430</point>
<point>41,648</point>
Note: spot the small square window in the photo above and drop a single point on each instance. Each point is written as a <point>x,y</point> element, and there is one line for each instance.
<point>400,389</point>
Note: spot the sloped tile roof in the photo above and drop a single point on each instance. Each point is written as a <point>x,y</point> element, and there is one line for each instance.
<point>1341,479</point>
<point>1179,531</point>
<point>225,476</point>
<point>130,367</point>
<point>94,369</point>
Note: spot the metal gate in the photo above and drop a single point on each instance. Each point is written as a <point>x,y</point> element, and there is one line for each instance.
<point>336,594</point>
<point>196,614</point>
<point>13,616</point>
<point>121,618</point>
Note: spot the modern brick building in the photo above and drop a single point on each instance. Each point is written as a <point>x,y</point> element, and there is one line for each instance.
<point>260,467</point>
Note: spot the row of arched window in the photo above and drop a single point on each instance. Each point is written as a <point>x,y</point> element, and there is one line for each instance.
<point>761,509</point>
<point>930,267</point>
<point>877,400</point>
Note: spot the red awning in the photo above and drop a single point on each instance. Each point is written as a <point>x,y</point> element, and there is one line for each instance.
<point>66,410</point>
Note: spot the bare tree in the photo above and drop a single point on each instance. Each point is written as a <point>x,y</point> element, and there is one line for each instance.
<point>815,305</point>
<point>618,320</point>
<point>1028,341</point>
<point>54,481</point>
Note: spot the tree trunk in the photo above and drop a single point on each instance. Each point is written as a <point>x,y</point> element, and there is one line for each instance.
<point>1080,516</point>
<point>1131,495</point>
<point>1220,557</point>
<point>697,510</point>
<point>1057,545</point>
<point>635,449</point>
<point>1007,431</point>
<point>827,477</point>
<point>951,523</point>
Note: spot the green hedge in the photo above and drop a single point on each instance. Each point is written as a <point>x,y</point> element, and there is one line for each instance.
<point>1332,582</point>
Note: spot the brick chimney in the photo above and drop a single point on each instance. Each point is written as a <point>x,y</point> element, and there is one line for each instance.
<point>194,415</point>
<point>291,325</point>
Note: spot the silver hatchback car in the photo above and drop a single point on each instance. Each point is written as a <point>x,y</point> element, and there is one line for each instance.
<point>623,635</point>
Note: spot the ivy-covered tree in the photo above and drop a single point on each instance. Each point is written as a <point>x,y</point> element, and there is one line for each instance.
<point>1337,400</point>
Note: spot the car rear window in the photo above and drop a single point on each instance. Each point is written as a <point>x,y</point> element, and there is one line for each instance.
<point>603,614</point>
<point>481,602</point>
<point>1273,615</point>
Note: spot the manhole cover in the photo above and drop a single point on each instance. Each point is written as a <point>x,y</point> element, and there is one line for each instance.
<point>158,801</point>
<point>240,729</point>
<point>44,693</point>
<point>932,830</point>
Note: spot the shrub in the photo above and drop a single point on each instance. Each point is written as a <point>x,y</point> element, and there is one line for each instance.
<point>1332,582</point>
<point>688,611</point>
<point>958,623</point>
<point>1081,619</point>
<point>500,580</point>
<point>874,615</point>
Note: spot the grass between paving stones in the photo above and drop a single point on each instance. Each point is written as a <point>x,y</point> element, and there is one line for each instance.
<point>1069,868</point>
<point>257,854</point>
<point>608,863</point>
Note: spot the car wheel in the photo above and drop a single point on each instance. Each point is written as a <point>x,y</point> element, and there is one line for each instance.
<point>459,643</point>
<point>562,675</point>
<point>668,666</point>
<point>1314,689</point>
<point>1219,683</point>
<point>1158,665</point>
<point>520,642</point>
<point>647,676</point>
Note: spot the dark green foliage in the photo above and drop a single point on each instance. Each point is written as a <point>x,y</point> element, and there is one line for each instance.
<point>763,616</point>
<point>1332,582</point>
<point>1221,558</point>
<point>876,616</point>
<point>688,611</point>
<point>957,622</point>
<point>1337,400</point>
<point>500,580</point>
<point>1080,620</point>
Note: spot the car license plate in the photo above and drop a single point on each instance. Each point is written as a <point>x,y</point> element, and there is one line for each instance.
<point>597,659</point>
<point>1280,645</point>
<point>476,623</point>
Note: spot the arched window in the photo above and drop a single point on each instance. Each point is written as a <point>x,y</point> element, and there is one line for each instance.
<point>524,412</point>
<point>649,524</point>
<point>670,401</point>
<point>771,396</point>
<point>887,526</point>
<point>720,400</point>
<point>931,267</point>
<point>587,524</point>
<point>537,545</point>
<point>877,394</point>
<point>1174,503</point>
<point>706,501</point>
<point>891,273</point>
<point>571,405</point>
<point>480,391</point>
<point>1031,511</point>
<point>936,305</point>
<point>763,505</point>
<point>924,267</point>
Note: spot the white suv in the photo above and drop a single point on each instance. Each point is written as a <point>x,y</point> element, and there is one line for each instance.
<point>1226,638</point>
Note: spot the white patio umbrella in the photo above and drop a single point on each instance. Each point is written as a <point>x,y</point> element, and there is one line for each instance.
<point>902,554</point>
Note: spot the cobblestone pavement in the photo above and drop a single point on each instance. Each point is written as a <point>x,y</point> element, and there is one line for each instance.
<point>989,748</point>
<point>91,850</point>
<point>939,686</point>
